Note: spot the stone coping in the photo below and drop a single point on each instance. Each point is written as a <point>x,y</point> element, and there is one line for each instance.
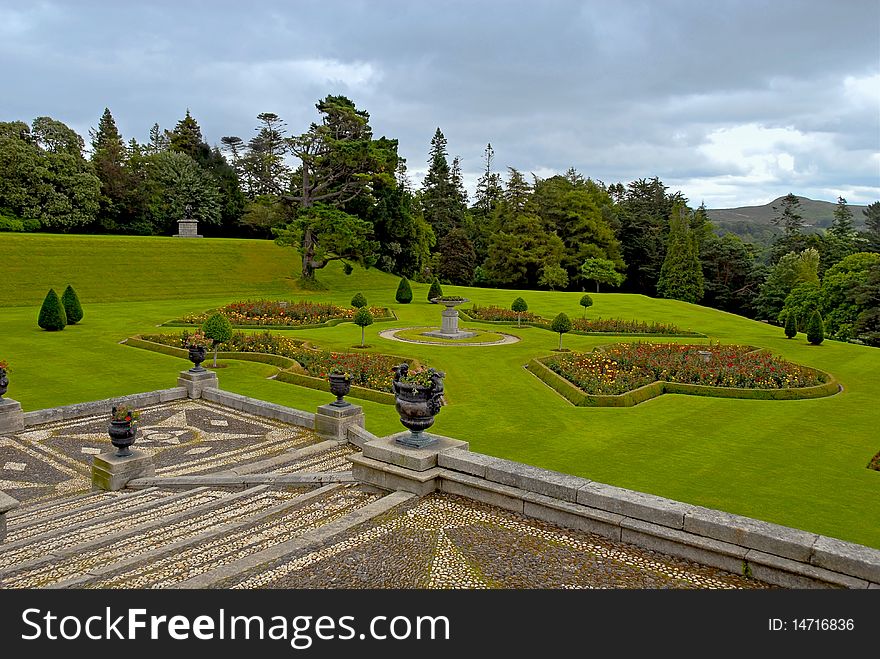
<point>92,408</point>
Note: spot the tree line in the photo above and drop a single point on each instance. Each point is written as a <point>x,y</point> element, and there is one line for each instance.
<point>337,192</point>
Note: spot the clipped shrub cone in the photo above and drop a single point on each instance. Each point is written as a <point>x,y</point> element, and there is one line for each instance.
<point>52,316</point>
<point>72,307</point>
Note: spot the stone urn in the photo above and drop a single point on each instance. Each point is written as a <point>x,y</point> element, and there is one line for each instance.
<point>340,385</point>
<point>197,355</point>
<point>449,327</point>
<point>417,403</point>
<point>122,435</point>
<point>4,382</point>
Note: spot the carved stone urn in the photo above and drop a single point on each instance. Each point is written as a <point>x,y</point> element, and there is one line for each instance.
<point>197,355</point>
<point>418,399</point>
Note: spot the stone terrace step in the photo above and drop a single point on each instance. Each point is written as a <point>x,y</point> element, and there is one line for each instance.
<point>135,546</point>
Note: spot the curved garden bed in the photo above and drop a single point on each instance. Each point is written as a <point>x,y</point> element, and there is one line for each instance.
<point>624,375</point>
<point>299,363</point>
<point>281,314</point>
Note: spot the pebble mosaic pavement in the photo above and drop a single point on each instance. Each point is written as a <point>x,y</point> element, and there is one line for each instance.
<point>438,541</point>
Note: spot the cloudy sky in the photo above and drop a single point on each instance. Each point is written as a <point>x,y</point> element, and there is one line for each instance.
<point>732,102</point>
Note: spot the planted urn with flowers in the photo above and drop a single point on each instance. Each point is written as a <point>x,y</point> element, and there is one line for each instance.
<point>123,429</point>
<point>4,377</point>
<point>340,385</point>
<point>197,345</point>
<point>418,396</point>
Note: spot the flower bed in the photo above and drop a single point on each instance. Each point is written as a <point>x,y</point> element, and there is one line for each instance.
<point>369,370</point>
<point>620,326</point>
<point>624,367</point>
<point>499,314</point>
<point>281,313</point>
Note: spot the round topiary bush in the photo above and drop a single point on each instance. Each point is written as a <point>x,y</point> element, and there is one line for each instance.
<point>359,301</point>
<point>72,307</point>
<point>52,315</point>
<point>404,291</point>
<point>219,330</point>
<point>519,305</point>
<point>362,318</point>
<point>586,301</point>
<point>791,325</point>
<point>816,329</point>
<point>435,290</point>
<point>561,324</point>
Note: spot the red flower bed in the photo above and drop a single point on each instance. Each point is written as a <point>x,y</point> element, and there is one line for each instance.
<point>499,314</point>
<point>627,366</point>
<point>281,312</point>
<point>619,326</point>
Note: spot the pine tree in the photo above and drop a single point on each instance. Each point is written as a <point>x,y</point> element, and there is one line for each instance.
<point>109,161</point>
<point>681,276</point>
<point>842,225</point>
<point>872,224</point>
<point>520,307</point>
<point>435,290</point>
<point>359,301</point>
<point>791,325</point>
<point>788,216</point>
<point>219,330</point>
<point>187,137</point>
<point>404,291</point>
<point>489,188</point>
<point>816,329</point>
<point>72,308</point>
<point>52,315</point>
<point>441,193</point>
<point>362,318</point>
<point>562,325</point>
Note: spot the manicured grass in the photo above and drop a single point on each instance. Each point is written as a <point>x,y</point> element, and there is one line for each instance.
<point>800,463</point>
<point>417,334</point>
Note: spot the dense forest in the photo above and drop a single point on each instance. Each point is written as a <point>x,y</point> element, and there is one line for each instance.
<point>336,192</point>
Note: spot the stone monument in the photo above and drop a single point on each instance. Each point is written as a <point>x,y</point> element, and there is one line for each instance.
<point>188,227</point>
<point>449,328</point>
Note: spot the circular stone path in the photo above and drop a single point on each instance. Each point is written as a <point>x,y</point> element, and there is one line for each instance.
<point>392,335</point>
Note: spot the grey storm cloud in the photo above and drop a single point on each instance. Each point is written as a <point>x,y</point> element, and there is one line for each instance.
<point>732,102</point>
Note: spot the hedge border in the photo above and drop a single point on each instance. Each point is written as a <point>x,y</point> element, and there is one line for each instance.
<point>546,326</point>
<point>578,397</point>
<point>286,367</point>
<point>333,322</point>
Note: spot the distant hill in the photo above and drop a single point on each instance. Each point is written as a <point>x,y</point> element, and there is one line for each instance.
<point>817,214</point>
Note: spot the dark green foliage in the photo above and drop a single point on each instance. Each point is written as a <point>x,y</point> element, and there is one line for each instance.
<point>52,315</point>
<point>872,226</point>
<point>681,276</point>
<point>816,329</point>
<point>362,318</point>
<point>219,330</point>
<point>561,324</point>
<point>441,197</point>
<point>586,301</point>
<point>791,325</point>
<point>457,258</point>
<point>404,291</point>
<point>359,301</point>
<point>72,307</point>
<point>602,271</point>
<point>435,290</point>
<point>520,306</point>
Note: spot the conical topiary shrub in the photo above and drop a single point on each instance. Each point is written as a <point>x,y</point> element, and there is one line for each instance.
<point>52,316</point>
<point>404,291</point>
<point>435,290</point>
<point>816,329</point>
<point>72,307</point>
<point>791,325</point>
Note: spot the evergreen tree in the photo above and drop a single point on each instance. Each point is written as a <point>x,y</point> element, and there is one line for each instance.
<point>457,258</point>
<point>586,301</point>
<point>842,225</point>
<point>186,137</point>
<point>520,307</point>
<point>789,219</point>
<point>219,330</point>
<point>681,276</point>
<point>158,140</point>
<point>872,225</point>
<point>109,159</point>
<point>815,329</point>
<point>441,195</point>
<point>404,293</point>
<point>72,308</point>
<point>52,316</point>
<point>362,319</point>
<point>791,325</point>
<point>359,301</point>
<point>489,189</point>
<point>435,291</point>
<point>561,324</point>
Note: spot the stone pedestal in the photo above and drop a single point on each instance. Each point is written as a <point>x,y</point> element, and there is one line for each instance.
<point>112,473</point>
<point>11,416</point>
<point>7,503</point>
<point>194,383</point>
<point>331,421</point>
<point>187,229</point>
<point>449,328</point>
<point>388,465</point>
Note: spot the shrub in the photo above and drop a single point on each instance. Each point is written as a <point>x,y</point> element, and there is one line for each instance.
<point>435,290</point>
<point>586,301</point>
<point>52,316</point>
<point>791,325</point>
<point>363,318</point>
<point>219,330</point>
<point>816,329</point>
<point>561,324</point>
<point>519,306</point>
<point>72,307</point>
<point>404,291</point>
<point>359,301</point>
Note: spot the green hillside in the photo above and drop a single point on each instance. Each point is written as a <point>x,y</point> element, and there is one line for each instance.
<point>798,463</point>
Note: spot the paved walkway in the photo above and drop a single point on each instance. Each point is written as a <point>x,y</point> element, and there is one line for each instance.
<point>273,535</point>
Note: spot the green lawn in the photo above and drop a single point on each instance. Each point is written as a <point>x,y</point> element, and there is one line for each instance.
<point>798,463</point>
